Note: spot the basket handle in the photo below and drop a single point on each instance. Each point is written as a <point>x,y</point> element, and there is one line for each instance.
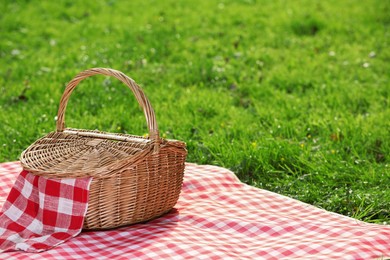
<point>137,91</point>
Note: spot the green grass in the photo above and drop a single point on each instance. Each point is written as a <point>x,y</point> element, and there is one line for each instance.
<point>293,96</point>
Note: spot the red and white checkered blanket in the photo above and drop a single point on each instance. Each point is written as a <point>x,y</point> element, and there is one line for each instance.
<point>40,213</point>
<point>218,217</point>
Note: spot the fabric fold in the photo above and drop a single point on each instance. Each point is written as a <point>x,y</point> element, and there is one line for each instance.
<point>40,213</point>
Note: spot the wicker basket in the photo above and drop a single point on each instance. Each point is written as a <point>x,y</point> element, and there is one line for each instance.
<point>135,179</point>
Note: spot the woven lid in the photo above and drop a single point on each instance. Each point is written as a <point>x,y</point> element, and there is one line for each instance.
<point>79,153</point>
<point>75,153</point>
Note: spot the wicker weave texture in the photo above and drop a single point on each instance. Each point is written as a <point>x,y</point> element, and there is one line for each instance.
<point>135,179</point>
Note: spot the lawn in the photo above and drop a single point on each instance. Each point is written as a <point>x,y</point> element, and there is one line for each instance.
<point>293,96</point>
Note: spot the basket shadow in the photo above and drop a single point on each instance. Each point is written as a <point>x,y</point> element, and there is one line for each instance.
<point>139,235</point>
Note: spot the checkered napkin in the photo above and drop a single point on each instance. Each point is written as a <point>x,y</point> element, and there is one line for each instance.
<point>218,217</point>
<point>40,213</point>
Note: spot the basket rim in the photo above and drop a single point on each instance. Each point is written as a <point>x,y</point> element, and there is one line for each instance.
<point>30,164</point>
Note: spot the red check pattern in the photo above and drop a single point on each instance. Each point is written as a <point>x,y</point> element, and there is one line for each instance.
<point>40,213</point>
<point>218,217</point>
